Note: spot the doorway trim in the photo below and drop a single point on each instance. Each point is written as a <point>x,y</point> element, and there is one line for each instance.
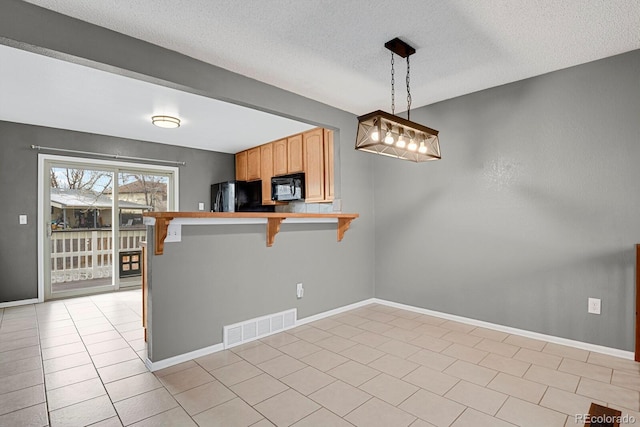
<point>43,210</point>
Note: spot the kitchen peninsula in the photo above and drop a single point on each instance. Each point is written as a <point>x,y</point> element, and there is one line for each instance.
<point>220,275</point>
<point>161,221</point>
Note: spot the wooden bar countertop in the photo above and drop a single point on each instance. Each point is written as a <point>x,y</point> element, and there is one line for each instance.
<point>273,220</point>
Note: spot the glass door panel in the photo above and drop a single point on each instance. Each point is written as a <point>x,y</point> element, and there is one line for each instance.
<point>79,232</point>
<point>138,192</point>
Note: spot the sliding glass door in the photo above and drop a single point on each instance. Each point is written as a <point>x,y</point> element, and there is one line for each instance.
<point>92,222</point>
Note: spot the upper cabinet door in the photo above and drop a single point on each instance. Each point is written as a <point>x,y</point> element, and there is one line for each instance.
<point>253,164</point>
<point>266,172</point>
<point>294,154</point>
<point>313,149</point>
<point>241,166</point>
<point>280,157</point>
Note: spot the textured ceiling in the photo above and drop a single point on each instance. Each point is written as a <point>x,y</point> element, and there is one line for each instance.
<point>332,50</point>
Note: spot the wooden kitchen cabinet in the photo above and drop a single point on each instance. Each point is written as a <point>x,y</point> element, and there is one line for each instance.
<point>328,166</point>
<point>310,152</point>
<point>313,157</point>
<point>253,164</point>
<point>266,172</point>
<point>295,154</point>
<point>280,154</point>
<point>241,166</point>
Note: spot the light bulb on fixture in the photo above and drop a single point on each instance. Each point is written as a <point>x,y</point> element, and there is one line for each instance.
<point>375,133</point>
<point>412,141</point>
<point>422,149</point>
<point>388,139</point>
<point>166,122</point>
<point>401,140</point>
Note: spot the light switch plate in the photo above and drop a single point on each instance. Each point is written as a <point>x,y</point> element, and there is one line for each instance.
<point>23,219</point>
<point>201,206</point>
<point>594,306</point>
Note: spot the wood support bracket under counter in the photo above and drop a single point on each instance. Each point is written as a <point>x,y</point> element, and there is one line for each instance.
<point>162,226</point>
<point>273,227</point>
<point>273,222</point>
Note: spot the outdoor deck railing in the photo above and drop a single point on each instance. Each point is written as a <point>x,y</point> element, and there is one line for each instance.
<point>84,255</point>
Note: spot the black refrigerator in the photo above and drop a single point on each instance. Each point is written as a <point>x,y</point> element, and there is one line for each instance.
<point>238,196</point>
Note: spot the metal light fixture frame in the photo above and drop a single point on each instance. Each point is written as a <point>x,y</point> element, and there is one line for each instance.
<point>379,131</point>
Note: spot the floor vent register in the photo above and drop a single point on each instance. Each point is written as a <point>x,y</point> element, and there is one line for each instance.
<point>250,330</point>
<point>601,416</point>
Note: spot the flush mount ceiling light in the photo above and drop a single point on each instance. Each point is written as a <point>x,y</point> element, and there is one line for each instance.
<point>166,122</point>
<point>389,135</point>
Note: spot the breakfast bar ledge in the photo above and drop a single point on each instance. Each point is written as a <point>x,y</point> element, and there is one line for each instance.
<point>161,221</point>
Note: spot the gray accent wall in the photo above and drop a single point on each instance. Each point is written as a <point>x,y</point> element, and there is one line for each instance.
<point>533,208</point>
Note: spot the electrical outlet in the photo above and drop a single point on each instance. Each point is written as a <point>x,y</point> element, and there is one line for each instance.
<point>22,219</point>
<point>594,306</point>
<point>174,233</point>
<point>200,206</point>
<point>299,290</point>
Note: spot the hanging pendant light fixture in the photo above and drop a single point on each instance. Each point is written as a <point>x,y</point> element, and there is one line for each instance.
<point>389,135</point>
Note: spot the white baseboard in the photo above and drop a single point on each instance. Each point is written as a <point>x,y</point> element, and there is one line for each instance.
<point>165,363</point>
<point>335,311</point>
<point>17,303</point>
<point>185,357</point>
<point>515,331</point>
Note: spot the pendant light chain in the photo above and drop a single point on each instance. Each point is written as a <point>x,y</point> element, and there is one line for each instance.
<point>408,93</point>
<point>393,90</point>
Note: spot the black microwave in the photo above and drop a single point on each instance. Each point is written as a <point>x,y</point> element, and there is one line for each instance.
<point>287,188</point>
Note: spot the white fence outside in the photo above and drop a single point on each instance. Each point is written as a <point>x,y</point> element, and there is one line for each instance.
<point>85,255</point>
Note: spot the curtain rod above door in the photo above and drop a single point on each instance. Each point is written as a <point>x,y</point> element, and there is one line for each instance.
<point>110,156</point>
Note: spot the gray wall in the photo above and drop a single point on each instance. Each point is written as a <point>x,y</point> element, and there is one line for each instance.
<point>532,209</point>
<point>219,275</point>
<point>19,189</point>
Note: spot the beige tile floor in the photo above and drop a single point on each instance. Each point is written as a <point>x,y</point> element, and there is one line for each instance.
<point>79,362</point>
